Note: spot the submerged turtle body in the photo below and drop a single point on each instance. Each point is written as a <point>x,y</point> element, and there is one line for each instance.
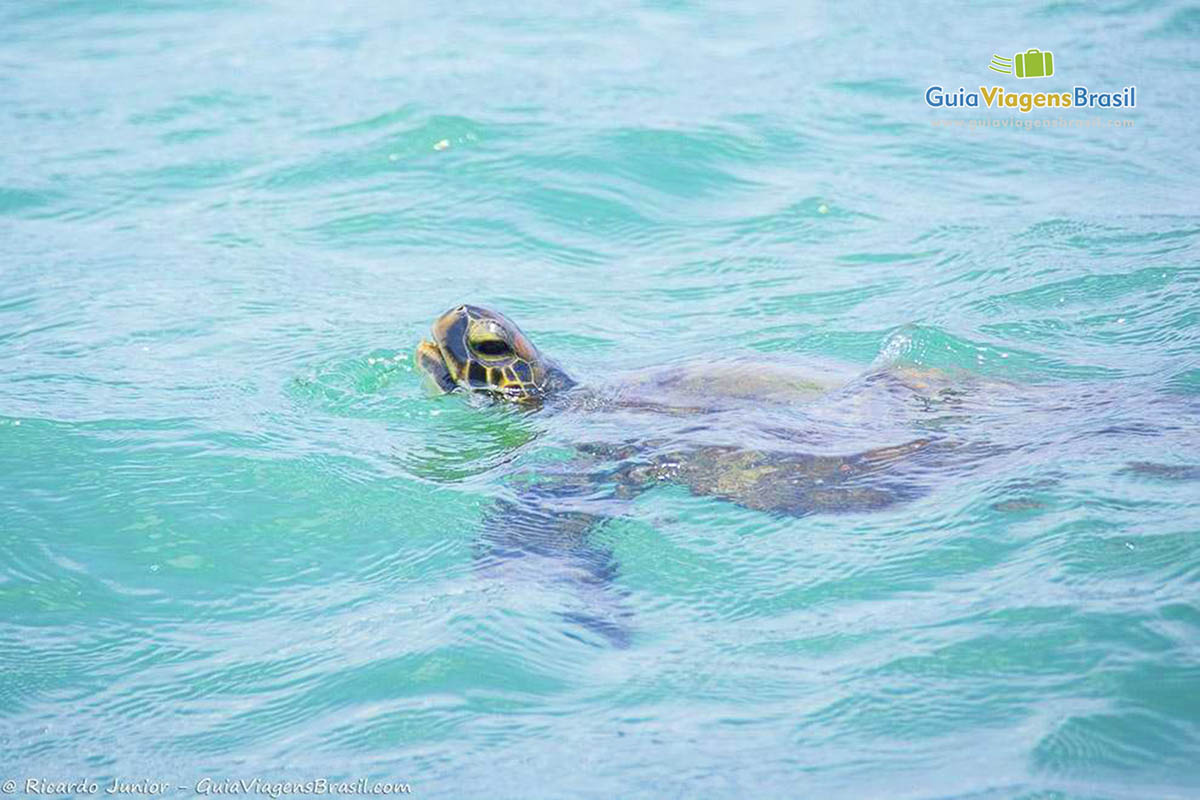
<point>781,482</point>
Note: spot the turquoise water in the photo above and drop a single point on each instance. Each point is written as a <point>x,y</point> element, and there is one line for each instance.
<point>239,539</point>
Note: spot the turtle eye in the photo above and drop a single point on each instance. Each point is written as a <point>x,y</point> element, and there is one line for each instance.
<point>491,347</point>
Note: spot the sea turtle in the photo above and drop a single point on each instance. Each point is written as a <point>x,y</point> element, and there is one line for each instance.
<point>481,351</point>
<point>698,439</point>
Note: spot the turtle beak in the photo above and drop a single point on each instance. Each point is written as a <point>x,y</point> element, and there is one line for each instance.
<point>429,360</point>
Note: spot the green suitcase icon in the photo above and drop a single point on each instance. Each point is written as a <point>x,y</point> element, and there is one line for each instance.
<point>1033,63</point>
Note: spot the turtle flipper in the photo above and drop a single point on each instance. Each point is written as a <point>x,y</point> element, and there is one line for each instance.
<point>530,539</point>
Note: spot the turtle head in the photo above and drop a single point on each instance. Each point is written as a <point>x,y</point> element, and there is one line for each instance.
<point>483,351</point>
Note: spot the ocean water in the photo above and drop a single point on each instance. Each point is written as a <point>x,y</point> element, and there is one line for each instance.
<point>239,538</point>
